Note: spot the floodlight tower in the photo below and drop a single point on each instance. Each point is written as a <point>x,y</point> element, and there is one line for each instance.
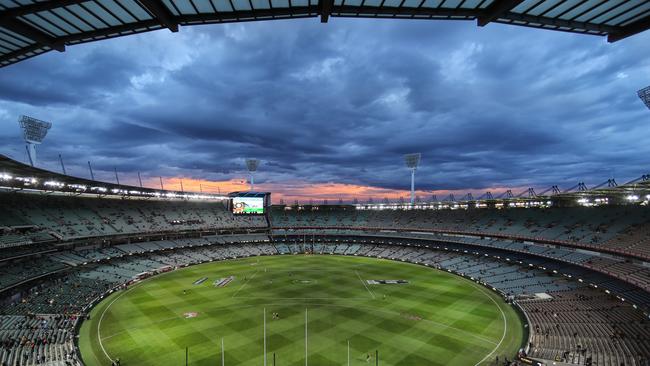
<point>251,165</point>
<point>412,161</point>
<point>34,132</point>
<point>644,94</point>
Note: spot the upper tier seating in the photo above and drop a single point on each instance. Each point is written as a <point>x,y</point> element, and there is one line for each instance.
<point>68,218</point>
<point>624,229</point>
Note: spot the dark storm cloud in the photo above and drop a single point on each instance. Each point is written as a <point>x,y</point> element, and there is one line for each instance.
<point>491,107</point>
<point>78,80</point>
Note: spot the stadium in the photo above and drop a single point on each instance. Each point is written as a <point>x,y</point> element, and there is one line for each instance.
<point>94,271</point>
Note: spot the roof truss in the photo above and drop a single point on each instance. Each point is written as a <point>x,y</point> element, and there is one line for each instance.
<point>52,24</point>
<point>162,13</point>
<point>496,10</point>
<point>630,30</point>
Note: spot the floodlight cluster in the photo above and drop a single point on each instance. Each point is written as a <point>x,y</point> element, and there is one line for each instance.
<point>587,202</point>
<point>412,160</point>
<point>34,130</point>
<point>252,164</point>
<point>644,95</point>
<point>16,182</point>
<point>54,184</point>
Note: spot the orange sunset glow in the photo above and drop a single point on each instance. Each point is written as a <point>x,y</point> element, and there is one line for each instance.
<point>302,191</point>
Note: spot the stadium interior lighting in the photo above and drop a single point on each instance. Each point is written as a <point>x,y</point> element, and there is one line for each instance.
<point>644,94</point>
<point>412,162</point>
<point>34,131</point>
<point>54,186</point>
<point>251,165</point>
<point>632,197</point>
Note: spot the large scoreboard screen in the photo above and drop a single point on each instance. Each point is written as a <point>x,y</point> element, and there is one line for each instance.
<point>248,205</point>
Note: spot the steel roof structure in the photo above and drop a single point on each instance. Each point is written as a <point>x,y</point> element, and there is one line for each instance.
<point>16,176</point>
<point>32,27</point>
<point>635,191</point>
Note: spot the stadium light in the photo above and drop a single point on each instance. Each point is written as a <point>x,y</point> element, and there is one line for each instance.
<point>34,131</point>
<point>644,94</point>
<point>251,165</point>
<point>412,161</point>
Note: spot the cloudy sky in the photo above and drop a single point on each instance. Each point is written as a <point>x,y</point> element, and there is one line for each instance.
<point>331,108</point>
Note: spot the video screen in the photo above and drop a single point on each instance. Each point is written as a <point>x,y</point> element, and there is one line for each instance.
<point>248,205</point>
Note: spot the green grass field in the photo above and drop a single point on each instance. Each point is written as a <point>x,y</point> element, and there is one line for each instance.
<point>436,319</point>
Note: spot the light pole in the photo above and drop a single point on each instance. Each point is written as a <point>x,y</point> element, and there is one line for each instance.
<point>62,165</point>
<point>251,165</point>
<point>34,131</point>
<point>92,176</point>
<point>412,161</point>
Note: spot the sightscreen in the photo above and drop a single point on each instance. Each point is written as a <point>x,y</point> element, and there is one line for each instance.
<point>248,205</point>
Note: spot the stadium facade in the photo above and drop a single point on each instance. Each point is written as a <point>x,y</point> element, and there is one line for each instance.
<point>579,273</point>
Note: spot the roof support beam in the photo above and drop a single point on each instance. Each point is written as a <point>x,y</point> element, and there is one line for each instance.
<point>111,32</point>
<point>162,13</point>
<point>391,12</point>
<point>16,55</point>
<point>37,7</point>
<point>154,24</point>
<point>561,23</point>
<point>325,9</point>
<point>496,10</point>
<point>501,11</point>
<point>32,33</point>
<point>248,15</point>
<point>639,26</point>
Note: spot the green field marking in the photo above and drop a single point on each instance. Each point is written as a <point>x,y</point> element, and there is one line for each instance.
<point>437,319</point>
<point>365,284</point>
<point>284,284</point>
<point>244,284</point>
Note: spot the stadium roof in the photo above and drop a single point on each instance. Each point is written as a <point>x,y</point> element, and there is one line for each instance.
<point>31,27</point>
<point>17,176</point>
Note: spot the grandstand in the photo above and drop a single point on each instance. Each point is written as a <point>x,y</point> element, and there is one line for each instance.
<point>94,273</point>
<point>579,275</point>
